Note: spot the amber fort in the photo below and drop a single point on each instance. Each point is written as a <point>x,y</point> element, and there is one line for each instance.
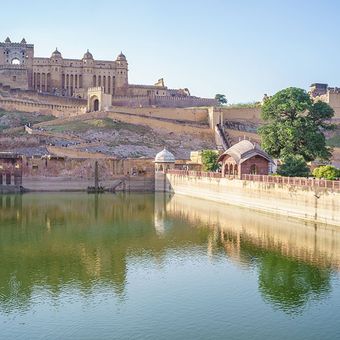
<point>55,75</point>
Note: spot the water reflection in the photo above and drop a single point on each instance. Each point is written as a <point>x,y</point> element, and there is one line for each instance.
<point>49,241</point>
<point>295,260</point>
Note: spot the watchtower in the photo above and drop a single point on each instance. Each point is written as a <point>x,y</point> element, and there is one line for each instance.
<point>16,64</point>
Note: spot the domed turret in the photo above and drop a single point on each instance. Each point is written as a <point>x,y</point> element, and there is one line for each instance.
<point>56,54</point>
<point>23,41</point>
<point>165,156</point>
<point>121,57</point>
<point>8,40</point>
<point>164,161</point>
<point>88,55</point>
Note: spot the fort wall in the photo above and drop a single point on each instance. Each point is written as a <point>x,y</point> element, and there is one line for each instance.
<point>252,114</point>
<point>162,101</point>
<point>181,114</point>
<point>43,108</point>
<point>202,132</point>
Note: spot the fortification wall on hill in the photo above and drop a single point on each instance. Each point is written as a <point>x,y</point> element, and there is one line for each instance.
<point>32,95</point>
<point>43,108</point>
<point>162,101</point>
<point>252,114</point>
<point>202,132</point>
<point>197,115</point>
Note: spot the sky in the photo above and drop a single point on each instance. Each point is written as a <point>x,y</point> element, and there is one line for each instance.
<point>239,48</point>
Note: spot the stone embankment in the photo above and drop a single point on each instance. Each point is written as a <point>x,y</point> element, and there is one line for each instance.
<point>119,183</point>
<point>311,201</point>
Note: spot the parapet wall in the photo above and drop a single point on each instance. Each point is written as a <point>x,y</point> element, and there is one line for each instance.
<point>43,108</point>
<point>32,95</point>
<point>308,203</point>
<point>162,101</point>
<point>252,114</point>
<point>181,114</point>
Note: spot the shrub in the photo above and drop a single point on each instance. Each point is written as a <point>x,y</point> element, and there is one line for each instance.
<point>327,172</point>
<point>209,160</point>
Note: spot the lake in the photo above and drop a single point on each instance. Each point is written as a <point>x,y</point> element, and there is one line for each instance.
<point>145,266</point>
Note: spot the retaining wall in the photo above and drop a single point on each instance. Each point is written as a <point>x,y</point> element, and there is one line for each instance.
<point>76,184</point>
<point>309,203</point>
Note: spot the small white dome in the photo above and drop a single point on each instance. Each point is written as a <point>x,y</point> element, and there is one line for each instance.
<point>165,156</point>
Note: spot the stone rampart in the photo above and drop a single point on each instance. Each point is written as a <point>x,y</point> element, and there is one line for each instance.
<point>309,203</point>
<point>40,97</point>
<point>202,132</point>
<point>250,114</point>
<point>162,101</point>
<point>181,114</point>
<point>43,108</point>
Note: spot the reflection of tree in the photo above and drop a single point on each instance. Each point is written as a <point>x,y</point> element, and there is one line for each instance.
<point>290,284</point>
<point>285,282</point>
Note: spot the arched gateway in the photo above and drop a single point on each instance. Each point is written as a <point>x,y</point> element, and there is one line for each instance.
<point>94,103</point>
<point>97,100</point>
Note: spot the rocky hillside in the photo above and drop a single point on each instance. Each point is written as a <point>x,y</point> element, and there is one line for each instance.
<point>116,135</point>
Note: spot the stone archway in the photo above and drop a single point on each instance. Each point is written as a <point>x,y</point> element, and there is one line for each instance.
<point>94,103</point>
<point>15,61</point>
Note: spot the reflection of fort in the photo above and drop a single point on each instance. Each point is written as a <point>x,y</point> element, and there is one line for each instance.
<point>52,240</point>
<point>299,240</point>
<point>294,261</point>
<point>63,239</point>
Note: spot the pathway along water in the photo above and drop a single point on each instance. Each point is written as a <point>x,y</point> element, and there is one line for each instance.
<point>130,266</point>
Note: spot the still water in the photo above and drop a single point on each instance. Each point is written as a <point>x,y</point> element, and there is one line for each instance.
<point>140,266</point>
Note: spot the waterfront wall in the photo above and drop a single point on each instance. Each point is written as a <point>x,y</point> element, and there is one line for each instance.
<point>287,236</point>
<point>57,183</point>
<point>308,203</point>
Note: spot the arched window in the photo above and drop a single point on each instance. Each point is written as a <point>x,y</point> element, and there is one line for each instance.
<point>235,170</point>
<point>15,61</point>
<point>253,169</point>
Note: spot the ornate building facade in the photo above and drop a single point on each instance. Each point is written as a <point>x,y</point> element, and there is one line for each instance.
<point>20,69</point>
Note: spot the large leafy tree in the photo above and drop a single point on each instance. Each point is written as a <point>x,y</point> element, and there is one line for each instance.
<point>295,125</point>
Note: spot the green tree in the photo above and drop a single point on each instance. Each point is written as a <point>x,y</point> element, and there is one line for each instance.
<point>294,166</point>
<point>326,171</point>
<point>221,98</point>
<point>209,160</point>
<point>295,125</point>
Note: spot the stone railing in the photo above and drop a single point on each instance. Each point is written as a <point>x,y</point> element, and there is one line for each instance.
<point>195,173</point>
<point>297,181</point>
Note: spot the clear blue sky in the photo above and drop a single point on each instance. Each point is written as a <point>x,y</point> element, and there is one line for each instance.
<point>240,48</point>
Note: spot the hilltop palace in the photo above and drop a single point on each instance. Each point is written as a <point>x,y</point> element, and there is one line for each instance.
<point>20,69</point>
